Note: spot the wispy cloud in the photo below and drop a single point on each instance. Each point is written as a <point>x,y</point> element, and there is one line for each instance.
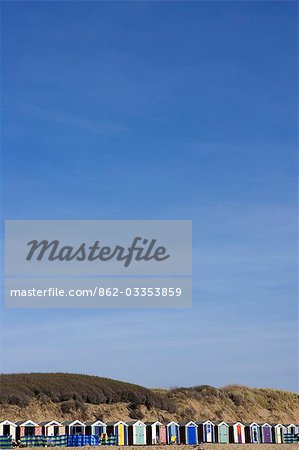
<point>62,117</point>
<point>150,341</point>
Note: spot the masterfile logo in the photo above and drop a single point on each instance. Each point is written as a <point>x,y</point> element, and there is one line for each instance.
<point>72,263</point>
<point>140,250</point>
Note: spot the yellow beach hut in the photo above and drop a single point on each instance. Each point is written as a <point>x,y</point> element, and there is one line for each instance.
<point>119,430</point>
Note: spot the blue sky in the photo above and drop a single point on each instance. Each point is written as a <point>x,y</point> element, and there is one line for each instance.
<point>159,110</point>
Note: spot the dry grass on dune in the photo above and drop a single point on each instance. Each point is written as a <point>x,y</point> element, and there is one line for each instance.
<point>69,396</point>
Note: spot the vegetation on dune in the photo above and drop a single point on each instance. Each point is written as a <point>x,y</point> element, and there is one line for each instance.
<point>237,395</point>
<point>63,395</point>
<point>236,401</point>
<point>73,390</point>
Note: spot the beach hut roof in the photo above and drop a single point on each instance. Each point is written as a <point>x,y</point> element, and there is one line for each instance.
<point>153,423</point>
<point>119,422</point>
<point>204,422</point>
<point>172,422</point>
<point>50,422</point>
<point>221,423</point>
<point>266,424</point>
<point>136,422</point>
<point>237,423</point>
<point>24,423</point>
<point>96,422</point>
<point>7,422</point>
<point>249,424</point>
<point>190,422</point>
<point>276,425</point>
<point>71,423</point>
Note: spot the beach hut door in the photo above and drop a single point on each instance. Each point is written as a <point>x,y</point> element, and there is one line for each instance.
<point>192,436</point>
<point>156,434</point>
<point>239,433</point>
<point>121,434</point>
<point>6,430</point>
<point>77,430</point>
<point>172,434</point>
<point>209,433</point>
<point>223,434</point>
<point>163,434</point>
<point>29,431</point>
<point>255,435</point>
<point>267,435</point>
<point>140,435</point>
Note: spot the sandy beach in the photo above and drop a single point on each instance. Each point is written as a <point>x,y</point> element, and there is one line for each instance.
<point>197,447</point>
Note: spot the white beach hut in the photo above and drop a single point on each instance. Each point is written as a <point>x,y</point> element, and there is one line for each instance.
<point>52,428</point>
<point>8,428</point>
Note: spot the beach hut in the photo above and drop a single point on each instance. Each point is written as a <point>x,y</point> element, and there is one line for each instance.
<point>119,430</point>
<point>136,433</point>
<point>188,433</point>
<point>27,428</point>
<point>291,428</point>
<point>221,432</point>
<point>96,428</point>
<point>52,428</point>
<point>206,431</point>
<point>237,433</point>
<point>278,430</point>
<point>173,432</point>
<point>153,433</point>
<point>74,427</point>
<point>8,428</point>
<point>266,433</point>
<point>252,433</point>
